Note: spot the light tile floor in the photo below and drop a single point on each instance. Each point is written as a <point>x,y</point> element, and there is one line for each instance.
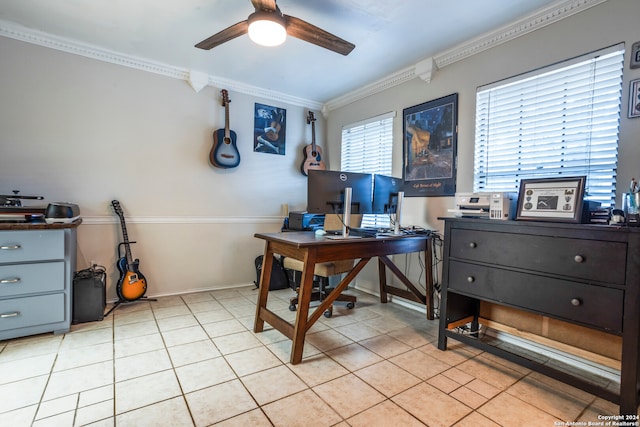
<point>193,360</point>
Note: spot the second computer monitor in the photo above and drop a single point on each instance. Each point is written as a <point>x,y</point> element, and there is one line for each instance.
<point>385,194</point>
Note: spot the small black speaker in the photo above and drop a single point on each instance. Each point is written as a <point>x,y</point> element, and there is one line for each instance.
<point>89,294</point>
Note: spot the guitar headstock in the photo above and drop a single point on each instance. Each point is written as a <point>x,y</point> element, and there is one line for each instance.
<point>225,97</point>
<point>310,118</point>
<point>117,208</point>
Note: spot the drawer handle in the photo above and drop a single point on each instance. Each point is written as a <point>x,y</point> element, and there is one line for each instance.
<point>8,281</point>
<point>578,258</point>
<point>576,302</point>
<point>471,279</point>
<point>10,247</point>
<point>14,314</point>
<point>473,245</point>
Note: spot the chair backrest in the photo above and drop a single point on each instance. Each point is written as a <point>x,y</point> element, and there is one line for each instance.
<point>333,222</point>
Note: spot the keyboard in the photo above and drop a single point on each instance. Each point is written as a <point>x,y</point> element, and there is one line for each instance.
<point>368,231</point>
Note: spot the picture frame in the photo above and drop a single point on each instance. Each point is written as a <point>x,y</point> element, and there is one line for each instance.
<point>269,129</point>
<point>551,199</point>
<point>634,98</point>
<point>430,145</point>
<point>634,58</point>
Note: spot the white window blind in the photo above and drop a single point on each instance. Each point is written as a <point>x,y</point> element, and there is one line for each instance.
<point>558,121</point>
<point>367,148</point>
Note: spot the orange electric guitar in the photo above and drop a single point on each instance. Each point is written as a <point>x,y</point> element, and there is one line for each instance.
<point>131,285</point>
<point>312,152</point>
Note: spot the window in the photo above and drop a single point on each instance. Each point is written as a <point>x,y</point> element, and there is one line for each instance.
<point>367,148</point>
<point>561,120</point>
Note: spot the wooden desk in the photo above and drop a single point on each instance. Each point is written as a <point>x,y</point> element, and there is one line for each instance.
<point>305,246</point>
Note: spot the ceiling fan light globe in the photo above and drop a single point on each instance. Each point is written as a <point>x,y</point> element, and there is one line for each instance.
<point>266,29</point>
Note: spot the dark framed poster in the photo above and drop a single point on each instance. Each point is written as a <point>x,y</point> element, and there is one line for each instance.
<point>430,147</point>
<point>270,125</point>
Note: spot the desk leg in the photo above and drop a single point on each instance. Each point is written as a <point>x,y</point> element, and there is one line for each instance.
<point>302,313</point>
<point>382,277</point>
<point>263,291</point>
<point>428,267</point>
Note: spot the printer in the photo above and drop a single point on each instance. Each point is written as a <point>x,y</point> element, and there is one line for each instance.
<point>491,205</point>
<point>305,221</point>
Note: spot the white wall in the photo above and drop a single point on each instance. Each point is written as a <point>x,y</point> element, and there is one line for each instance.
<point>598,27</point>
<point>85,131</point>
<point>80,130</point>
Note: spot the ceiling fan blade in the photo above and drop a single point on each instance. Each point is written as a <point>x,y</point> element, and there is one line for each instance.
<point>225,35</point>
<point>264,4</point>
<point>310,33</point>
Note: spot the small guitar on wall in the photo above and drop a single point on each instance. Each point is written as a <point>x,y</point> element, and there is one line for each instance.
<point>132,285</point>
<point>312,152</point>
<point>224,153</point>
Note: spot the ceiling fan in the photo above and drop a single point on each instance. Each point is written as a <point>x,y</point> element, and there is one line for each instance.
<point>268,13</point>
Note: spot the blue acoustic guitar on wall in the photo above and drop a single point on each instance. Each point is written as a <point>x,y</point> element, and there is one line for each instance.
<point>224,153</point>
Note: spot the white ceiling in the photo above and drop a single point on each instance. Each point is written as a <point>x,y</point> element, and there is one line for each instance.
<point>389,35</point>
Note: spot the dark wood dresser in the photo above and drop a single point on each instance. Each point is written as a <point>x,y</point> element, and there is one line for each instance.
<point>583,274</point>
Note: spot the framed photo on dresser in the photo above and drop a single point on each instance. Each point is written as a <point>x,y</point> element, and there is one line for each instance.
<point>551,199</point>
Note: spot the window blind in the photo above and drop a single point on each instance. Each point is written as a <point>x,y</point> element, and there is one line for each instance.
<point>367,148</point>
<point>562,120</point>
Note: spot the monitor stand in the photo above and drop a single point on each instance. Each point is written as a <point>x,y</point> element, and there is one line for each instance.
<point>396,227</point>
<point>346,220</point>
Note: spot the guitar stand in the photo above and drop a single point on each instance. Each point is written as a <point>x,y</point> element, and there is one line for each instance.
<point>121,301</point>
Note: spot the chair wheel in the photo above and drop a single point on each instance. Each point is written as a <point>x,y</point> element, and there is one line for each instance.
<point>292,307</point>
<point>328,313</point>
<point>350,305</point>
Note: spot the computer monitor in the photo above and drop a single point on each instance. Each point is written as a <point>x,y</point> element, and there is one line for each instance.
<point>388,195</point>
<point>337,192</point>
<point>326,191</point>
<point>385,194</point>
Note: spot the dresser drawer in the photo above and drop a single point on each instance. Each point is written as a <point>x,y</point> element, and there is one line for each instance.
<point>20,279</point>
<point>591,305</point>
<point>24,246</point>
<point>31,311</point>
<point>598,260</point>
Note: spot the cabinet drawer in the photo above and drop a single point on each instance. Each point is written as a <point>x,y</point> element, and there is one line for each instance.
<point>31,311</point>
<point>20,279</point>
<point>22,246</point>
<point>597,260</point>
<point>591,305</point>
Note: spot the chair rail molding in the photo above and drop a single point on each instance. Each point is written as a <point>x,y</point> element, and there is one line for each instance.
<point>99,220</point>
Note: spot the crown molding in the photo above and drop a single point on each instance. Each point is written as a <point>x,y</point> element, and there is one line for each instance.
<point>18,32</point>
<point>545,16</point>
<point>555,12</point>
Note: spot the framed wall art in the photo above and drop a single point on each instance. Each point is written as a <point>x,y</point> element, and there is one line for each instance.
<point>551,199</point>
<point>634,98</point>
<point>269,129</point>
<point>430,147</point>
